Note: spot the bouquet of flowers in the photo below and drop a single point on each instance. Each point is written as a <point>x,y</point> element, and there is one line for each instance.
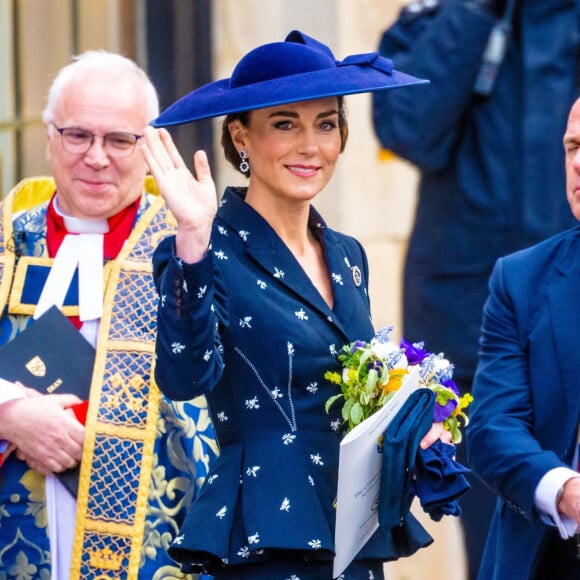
<point>373,371</point>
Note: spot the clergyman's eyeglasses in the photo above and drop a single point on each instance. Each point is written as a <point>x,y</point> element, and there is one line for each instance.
<point>117,144</point>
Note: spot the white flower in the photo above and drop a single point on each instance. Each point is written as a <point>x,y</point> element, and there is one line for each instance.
<point>383,349</point>
<point>441,364</point>
<point>401,363</point>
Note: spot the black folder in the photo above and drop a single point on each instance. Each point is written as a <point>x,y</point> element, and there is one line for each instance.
<point>51,356</point>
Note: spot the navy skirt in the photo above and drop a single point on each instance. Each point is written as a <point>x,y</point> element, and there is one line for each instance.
<point>280,569</point>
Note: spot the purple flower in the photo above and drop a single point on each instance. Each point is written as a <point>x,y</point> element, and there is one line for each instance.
<point>442,412</point>
<point>377,365</point>
<point>356,345</point>
<point>450,384</point>
<point>414,351</point>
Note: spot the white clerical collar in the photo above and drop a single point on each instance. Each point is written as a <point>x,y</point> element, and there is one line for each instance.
<point>76,225</point>
<point>82,249</point>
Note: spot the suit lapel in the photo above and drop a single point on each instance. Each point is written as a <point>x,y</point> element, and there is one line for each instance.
<point>279,262</point>
<point>564,302</point>
<point>266,249</point>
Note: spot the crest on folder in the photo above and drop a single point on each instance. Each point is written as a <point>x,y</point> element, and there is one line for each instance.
<point>36,366</point>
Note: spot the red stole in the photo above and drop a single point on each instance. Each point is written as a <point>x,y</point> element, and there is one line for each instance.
<point>120,226</point>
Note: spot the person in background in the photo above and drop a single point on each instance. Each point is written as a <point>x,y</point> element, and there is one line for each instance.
<point>142,455</point>
<point>486,138</point>
<point>523,433</point>
<point>257,300</point>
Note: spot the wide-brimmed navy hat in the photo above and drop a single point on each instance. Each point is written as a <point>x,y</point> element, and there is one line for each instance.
<point>298,69</point>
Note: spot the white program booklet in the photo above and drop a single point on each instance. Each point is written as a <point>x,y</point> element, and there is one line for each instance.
<point>359,478</point>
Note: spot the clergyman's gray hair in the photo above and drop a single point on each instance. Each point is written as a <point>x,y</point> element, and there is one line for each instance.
<point>99,60</point>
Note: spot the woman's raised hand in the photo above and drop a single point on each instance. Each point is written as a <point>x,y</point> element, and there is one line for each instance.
<point>192,201</point>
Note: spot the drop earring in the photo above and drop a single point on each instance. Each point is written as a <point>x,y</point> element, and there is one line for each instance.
<point>244,165</point>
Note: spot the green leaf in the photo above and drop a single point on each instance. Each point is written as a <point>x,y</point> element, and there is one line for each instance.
<point>331,401</point>
<point>372,380</point>
<point>356,414</point>
<point>456,436</point>
<point>443,394</point>
<point>346,409</point>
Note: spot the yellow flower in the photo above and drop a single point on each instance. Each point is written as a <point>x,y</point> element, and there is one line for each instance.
<point>396,377</point>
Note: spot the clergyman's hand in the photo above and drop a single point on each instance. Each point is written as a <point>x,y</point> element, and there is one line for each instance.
<point>44,432</point>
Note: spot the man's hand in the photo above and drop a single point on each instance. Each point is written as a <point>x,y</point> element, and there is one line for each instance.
<point>46,435</point>
<point>569,500</point>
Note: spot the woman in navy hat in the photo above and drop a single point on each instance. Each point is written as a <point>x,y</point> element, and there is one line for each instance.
<point>257,297</point>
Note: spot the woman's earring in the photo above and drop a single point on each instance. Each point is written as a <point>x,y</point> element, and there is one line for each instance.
<point>244,165</point>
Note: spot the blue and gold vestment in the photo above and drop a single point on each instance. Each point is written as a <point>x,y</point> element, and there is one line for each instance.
<point>144,455</point>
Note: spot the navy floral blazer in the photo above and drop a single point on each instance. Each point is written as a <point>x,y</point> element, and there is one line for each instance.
<point>246,327</point>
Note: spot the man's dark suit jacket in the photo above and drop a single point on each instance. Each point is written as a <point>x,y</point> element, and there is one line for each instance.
<point>524,420</point>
